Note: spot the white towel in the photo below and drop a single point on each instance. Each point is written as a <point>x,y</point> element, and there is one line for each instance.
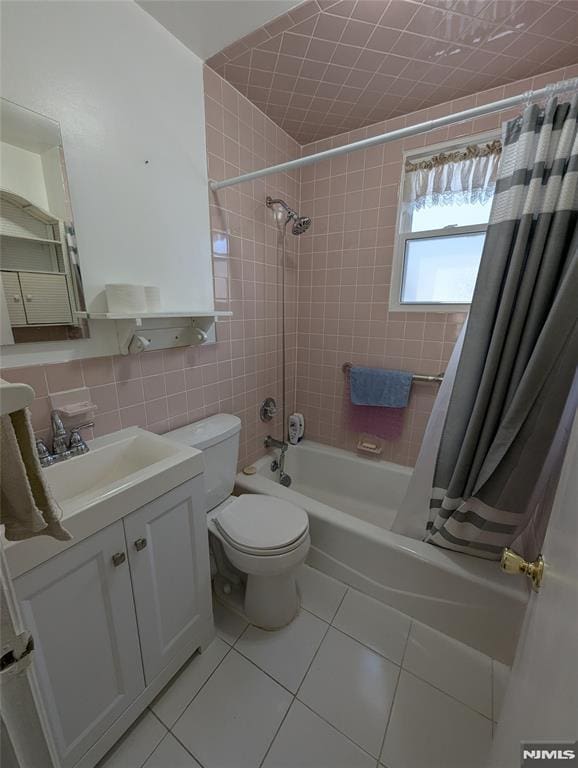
<point>27,506</point>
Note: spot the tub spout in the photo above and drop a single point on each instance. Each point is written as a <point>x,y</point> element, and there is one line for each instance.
<point>271,442</point>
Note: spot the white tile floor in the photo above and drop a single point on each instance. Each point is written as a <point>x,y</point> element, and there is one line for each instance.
<point>350,683</point>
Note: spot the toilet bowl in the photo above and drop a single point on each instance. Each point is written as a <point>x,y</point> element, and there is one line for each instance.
<point>258,541</point>
<point>267,539</point>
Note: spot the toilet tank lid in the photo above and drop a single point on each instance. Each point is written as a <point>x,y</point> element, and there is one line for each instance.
<point>207,432</point>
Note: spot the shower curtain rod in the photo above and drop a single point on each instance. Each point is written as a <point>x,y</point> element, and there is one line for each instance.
<point>402,133</point>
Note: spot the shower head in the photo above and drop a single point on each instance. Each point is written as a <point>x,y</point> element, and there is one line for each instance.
<point>300,223</point>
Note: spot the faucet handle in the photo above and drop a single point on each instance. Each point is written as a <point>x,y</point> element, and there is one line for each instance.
<point>77,444</point>
<point>88,425</point>
<point>43,453</point>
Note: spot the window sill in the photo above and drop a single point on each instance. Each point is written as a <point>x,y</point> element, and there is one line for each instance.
<point>439,308</point>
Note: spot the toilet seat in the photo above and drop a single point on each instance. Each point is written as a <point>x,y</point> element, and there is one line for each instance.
<point>262,525</point>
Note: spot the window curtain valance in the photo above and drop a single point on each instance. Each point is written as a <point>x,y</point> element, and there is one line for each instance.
<point>467,175</point>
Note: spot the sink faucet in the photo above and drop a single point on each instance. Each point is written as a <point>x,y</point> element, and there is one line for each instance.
<point>63,446</point>
<point>59,441</point>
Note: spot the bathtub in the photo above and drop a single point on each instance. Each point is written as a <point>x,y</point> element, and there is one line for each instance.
<point>351,502</point>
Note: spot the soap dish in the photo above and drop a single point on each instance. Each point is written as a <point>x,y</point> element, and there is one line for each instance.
<point>76,409</point>
<point>74,403</point>
<point>370,446</point>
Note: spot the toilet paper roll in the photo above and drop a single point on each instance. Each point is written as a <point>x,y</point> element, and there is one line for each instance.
<point>153,298</point>
<point>125,298</point>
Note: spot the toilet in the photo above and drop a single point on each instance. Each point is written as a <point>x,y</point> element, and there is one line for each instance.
<point>257,542</point>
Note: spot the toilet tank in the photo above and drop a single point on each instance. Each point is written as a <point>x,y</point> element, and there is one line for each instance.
<point>218,438</point>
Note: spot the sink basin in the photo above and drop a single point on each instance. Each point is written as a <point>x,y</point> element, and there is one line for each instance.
<point>121,472</point>
<point>108,469</point>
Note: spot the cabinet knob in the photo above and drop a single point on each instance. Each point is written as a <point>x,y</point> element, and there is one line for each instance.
<point>16,298</point>
<point>140,544</point>
<point>28,297</point>
<point>118,559</point>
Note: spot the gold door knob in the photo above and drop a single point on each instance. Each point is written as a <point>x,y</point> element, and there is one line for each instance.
<point>512,562</point>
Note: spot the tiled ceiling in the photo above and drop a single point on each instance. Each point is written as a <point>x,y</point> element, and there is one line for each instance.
<point>330,66</point>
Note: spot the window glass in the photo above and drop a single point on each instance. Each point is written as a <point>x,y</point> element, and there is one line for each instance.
<point>440,216</point>
<point>441,269</point>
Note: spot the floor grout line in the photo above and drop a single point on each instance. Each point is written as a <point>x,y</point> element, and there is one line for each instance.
<point>441,690</point>
<point>335,728</point>
<point>197,693</point>
<point>264,671</point>
<point>133,726</point>
<point>347,590</point>
<point>449,695</point>
<point>369,648</point>
<point>390,713</point>
<point>170,729</point>
<point>176,738</point>
<point>187,750</point>
<point>318,648</point>
<point>277,731</point>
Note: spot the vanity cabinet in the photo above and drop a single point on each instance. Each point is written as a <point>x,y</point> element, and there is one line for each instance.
<point>165,573</point>
<point>115,616</point>
<point>79,608</point>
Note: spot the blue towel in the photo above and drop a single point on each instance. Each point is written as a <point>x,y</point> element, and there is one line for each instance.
<point>374,386</point>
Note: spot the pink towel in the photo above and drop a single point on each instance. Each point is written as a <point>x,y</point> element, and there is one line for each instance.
<point>386,423</point>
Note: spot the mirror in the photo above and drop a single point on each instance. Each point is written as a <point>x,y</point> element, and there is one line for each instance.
<point>41,291</point>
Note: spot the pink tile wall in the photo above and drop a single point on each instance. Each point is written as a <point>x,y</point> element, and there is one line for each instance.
<point>166,389</point>
<point>345,273</point>
<point>247,254</point>
<point>337,291</point>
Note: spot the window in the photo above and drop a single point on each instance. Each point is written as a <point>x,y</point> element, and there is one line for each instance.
<point>442,223</point>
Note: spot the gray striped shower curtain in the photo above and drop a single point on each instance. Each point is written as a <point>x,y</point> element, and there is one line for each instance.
<point>521,344</point>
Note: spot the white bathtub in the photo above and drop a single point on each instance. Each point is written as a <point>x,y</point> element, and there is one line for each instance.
<point>351,502</point>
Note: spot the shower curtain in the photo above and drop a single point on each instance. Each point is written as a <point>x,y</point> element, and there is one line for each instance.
<point>520,347</point>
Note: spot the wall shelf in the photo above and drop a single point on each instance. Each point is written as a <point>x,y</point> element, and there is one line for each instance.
<point>161,330</point>
<point>151,315</point>
<point>31,238</point>
<point>31,208</point>
<point>34,271</point>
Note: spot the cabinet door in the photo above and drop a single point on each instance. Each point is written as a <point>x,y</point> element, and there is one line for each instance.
<point>46,299</point>
<point>13,295</point>
<point>167,545</point>
<point>79,608</point>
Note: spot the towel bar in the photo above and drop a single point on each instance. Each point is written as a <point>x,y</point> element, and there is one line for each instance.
<point>415,376</point>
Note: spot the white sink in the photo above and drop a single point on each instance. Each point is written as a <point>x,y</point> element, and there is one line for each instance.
<point>120,473</point>
<point>111,468</point>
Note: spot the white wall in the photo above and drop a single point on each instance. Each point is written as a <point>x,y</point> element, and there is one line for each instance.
<point>125,92</point>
